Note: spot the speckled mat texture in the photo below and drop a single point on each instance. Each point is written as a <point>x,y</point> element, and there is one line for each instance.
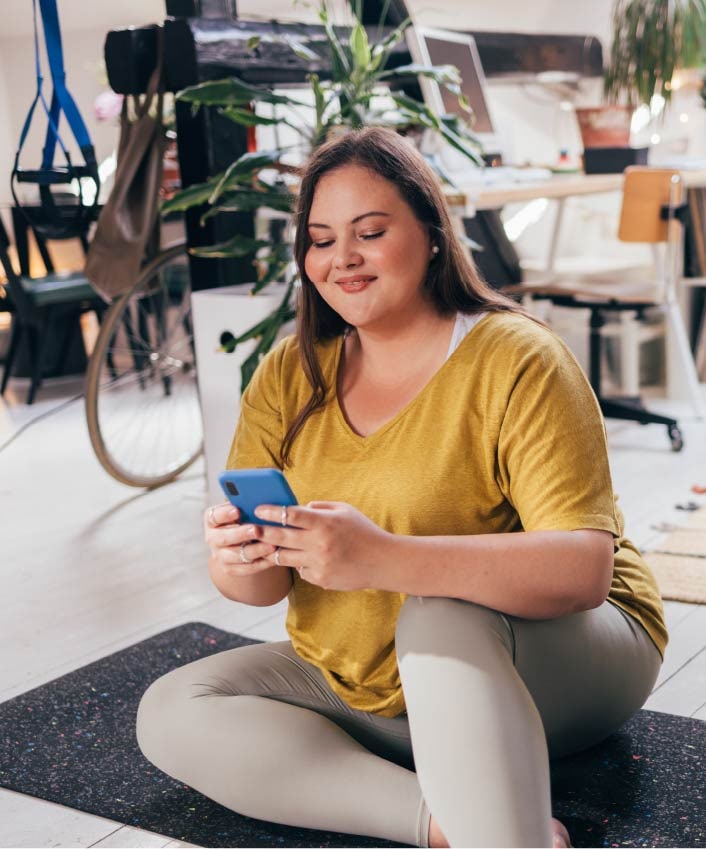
<point>72,741</point>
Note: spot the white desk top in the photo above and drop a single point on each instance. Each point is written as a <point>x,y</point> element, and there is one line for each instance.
<point>557,187</point>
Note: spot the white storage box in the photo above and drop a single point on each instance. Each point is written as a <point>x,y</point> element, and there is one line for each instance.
<point>226,309</point>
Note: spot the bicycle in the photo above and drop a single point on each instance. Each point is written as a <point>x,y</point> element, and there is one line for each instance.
<point>142,404</point>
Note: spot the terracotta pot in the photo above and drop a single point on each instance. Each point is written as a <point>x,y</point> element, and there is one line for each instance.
<point>605,126</point>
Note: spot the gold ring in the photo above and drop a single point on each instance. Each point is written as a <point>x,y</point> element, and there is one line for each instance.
<point>284,517</point>
<point>277,557</point>
<point>243,558</point>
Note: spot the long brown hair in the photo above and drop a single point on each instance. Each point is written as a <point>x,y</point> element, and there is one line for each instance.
<point>452,282</point>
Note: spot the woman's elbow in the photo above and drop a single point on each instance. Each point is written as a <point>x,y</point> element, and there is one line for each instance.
<point>600,579</point>
<point>594,575</point>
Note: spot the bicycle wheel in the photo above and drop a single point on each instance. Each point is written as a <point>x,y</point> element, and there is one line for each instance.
<point>142,404</point>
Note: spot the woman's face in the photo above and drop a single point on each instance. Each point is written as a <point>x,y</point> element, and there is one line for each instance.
<point>369,254</point>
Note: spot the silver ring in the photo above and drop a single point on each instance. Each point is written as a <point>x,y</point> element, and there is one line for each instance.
<point>277,557</point>
<point>284,517</point>
<point>243,558</point>
<point>211,517</point>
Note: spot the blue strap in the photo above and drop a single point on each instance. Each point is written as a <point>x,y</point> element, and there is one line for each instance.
<point>61,99</point>
<point>52,118</point>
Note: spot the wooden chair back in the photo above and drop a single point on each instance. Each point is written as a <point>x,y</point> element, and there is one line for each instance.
<point>645,192</point>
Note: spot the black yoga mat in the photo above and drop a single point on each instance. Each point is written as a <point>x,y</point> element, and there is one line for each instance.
<point>72,741</point>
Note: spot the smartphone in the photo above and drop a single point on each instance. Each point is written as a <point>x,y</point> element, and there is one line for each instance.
<point>246,489</point>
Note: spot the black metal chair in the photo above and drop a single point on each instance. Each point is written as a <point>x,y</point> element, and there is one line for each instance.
<point>653,212</point>
<point>44,308</point>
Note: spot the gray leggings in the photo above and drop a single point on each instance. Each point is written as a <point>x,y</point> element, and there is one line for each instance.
<point>488,698</point>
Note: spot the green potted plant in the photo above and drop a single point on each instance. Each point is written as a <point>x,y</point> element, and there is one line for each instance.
<point>263,180</point>
<point>650,40</point>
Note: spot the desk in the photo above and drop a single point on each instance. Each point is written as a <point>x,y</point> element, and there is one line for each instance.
<point>560,188</point>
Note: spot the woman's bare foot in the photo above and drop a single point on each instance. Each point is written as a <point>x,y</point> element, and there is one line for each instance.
<point>560,836</point>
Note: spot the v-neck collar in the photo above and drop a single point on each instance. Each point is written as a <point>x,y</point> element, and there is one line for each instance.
<point>358,438</point>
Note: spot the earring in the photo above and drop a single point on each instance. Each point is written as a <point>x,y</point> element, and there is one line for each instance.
<point>435,250</point>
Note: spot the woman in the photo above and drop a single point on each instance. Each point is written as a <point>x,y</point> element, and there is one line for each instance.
<point>462,603</point>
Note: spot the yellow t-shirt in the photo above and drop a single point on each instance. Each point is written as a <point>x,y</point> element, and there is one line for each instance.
<point>507,436</point>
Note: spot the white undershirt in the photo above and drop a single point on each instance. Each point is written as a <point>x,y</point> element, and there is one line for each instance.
<point>462,327</point>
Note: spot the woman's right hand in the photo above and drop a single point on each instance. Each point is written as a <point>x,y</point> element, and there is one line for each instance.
<point>228,540</point>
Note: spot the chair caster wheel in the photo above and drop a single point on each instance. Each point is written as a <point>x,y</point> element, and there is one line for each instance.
<point>676,438</point>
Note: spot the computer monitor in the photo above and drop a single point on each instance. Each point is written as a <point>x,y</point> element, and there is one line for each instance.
<point>429,46</point>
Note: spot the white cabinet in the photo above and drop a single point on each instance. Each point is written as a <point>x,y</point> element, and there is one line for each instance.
<point>215,311</point>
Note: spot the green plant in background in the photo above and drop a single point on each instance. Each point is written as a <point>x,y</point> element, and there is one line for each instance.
<point>652,39</point>
<point>347,101</point>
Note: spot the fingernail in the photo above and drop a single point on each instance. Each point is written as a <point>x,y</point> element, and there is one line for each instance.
<point>233,513</point>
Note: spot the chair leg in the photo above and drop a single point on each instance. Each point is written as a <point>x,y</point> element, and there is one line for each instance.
<point>685,357</point>
<point>37,344</point>
<point>595,342</point>
<point>629,354</point>
<point>67,338</point>
<point>628,409</point>
<point>15,336</point>
<point>632,410</point>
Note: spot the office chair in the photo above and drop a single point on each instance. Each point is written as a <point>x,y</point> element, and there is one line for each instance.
<point>653,211</point>
<point>39,305</point>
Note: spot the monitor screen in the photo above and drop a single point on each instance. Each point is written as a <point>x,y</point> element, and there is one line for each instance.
<point>463,54</point>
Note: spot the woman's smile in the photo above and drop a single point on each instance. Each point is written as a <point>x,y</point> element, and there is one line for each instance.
<point>366,241</point>
<point>355,283</point>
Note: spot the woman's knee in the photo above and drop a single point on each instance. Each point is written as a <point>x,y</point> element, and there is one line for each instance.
<point>160,716</point>
<point>435,624</point>
<point>182,708</point>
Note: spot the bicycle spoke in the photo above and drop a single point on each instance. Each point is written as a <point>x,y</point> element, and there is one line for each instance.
<point>145,406</point>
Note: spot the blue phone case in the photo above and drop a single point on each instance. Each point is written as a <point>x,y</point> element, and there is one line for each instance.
<point>246,489</point>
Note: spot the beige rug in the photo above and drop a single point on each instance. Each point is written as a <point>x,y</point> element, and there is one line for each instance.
<point>679,561</point>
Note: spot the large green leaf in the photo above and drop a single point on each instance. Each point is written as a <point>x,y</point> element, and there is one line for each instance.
<point>265,332</point>
<point>232,92</point>
<point>247,118</point>
<point>275,267</point>
<point>360,49</point>
<point>237,246</point>
<point>443,74</point>
<point>194,195</point>
<point>250,200</point>
<point>416,109</point>
<point>471,149</point>
<point>340,63</point>
<point>380,51</point>
<point>246,165</point>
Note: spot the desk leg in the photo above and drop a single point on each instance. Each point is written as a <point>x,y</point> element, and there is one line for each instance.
<point>556,234</point>
<point>682,379</point>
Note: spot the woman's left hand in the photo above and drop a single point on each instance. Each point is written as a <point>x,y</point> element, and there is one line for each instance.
<point>329,543</point>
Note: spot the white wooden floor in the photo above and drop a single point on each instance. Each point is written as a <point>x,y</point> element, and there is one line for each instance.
<point>88,566</point>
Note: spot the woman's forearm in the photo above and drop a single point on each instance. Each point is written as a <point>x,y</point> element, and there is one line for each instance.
<point>260,590</point>
<point>534,575</point>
